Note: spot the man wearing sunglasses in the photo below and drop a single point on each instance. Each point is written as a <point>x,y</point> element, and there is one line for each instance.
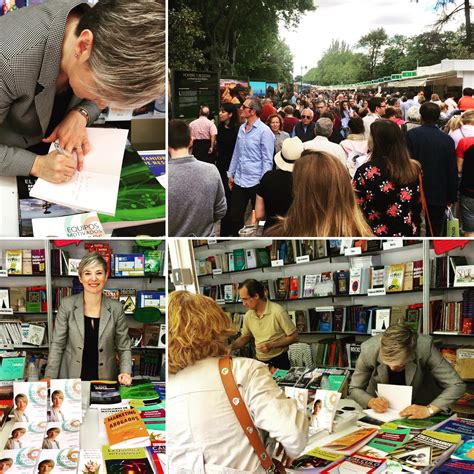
<point>252,158</point>
<point>304,130</point>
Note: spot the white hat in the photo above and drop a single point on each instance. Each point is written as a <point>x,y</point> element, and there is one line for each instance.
<point>291,150</point>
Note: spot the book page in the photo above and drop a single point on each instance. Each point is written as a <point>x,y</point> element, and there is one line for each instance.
<point>96,187</point>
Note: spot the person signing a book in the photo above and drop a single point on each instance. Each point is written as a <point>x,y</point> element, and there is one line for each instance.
<point>61,62</point>
<point>402,357</point>
<point>268,324</point>
<point>90,330</point>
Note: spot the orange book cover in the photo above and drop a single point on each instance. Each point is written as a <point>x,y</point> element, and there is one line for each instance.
<point>126,428</point>
<point>351,439</point>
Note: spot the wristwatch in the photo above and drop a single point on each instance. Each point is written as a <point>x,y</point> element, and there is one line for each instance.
<point>430,410</point>
<point>83,112</point>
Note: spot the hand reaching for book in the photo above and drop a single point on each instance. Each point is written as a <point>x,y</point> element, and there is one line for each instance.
<point>125,379</point>
<point>415,412</point>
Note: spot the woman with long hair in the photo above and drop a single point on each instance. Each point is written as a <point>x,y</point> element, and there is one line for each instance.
<point>204,433</point>
<point>388,185</point>
<point>324,203</point>
<point>227,131</point>
<point>90,330</point>
<point>461,126</point>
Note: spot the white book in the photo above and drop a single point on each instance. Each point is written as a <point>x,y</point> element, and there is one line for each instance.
<point>65,460</point>
<point>251,258</point>
<point>382,319</point>
<point>324,409</point>
<point>24,460</point>
<point>30,401</point>
<point>91,461</point>
<point>26,435</point>
<point>96,187</point>
<point>355,281</point>
<point>65,399</point>
<point>35,334</point>
<point>62,434</point>
<point>309,285</point>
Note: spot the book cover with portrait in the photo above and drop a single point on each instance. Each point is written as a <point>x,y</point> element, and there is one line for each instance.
<point>65,400</point>
<point>25,434</point>
<point>19,461</point>
<point>62,434</point>
<point>30,401</point>
<point>57,461</point>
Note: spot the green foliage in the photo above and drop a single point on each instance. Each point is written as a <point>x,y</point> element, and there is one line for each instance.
<point>373,42</point>
<point>240,37</point>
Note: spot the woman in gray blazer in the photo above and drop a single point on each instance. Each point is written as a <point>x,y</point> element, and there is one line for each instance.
<point>402,357</point>
<point>90,330</point>
<point>60,63</point>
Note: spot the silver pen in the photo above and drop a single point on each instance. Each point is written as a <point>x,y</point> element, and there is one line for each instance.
<point>59,148</point>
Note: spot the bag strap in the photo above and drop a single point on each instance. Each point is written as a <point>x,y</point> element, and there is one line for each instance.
<point>424,206</point>
<point>242,414</point>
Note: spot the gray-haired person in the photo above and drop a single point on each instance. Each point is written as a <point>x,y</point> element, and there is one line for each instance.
<point>402,357</point>
<point>90,330</point>
<point>61,62</point>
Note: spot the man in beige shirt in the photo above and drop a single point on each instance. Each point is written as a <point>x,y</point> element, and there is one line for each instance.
<point>268,324</point>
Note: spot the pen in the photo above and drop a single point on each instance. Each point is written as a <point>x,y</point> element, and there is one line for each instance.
<point>59,148</point>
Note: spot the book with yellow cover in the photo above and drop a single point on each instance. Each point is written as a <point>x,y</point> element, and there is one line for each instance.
<point>351,442</point>
<point>126,429</point>
<point>395,278</point>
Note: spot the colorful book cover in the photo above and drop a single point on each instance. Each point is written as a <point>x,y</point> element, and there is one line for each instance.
<point>84,225</point>
<point>357,463</point>
<point>26,435</point>
<point>316,458</point>
<point>104,392</point>
<point>66,399</point>
<point>126,461</point>
<point>91,462</point>
<point>62,434</point>
<point>324,409</point>
<point>155,160</point>
<point>385,442</point>
<point>30,401</point>
<point>351,442</point>
<point>395,278</point>
<point>126,428</point>
<point>56,461</point>
<point>239,259</point>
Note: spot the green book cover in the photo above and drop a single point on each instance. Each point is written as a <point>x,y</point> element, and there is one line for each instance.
<point>263,258</point>
<point>424,424</point>
<point>239,259</point>
<point>336,381</point>
<point>386,441</point>
<point>153,261</point>
<point>140,197</point>
<point>140,392</point>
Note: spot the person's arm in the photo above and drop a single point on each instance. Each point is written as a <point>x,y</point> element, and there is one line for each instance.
<point>213,144</point>
<point>360,380</point>
<point>267,147</point>
<point>460,155</point>
<point>283,341</point>
<point>123,347</point>
<point>240,342</point>
<point>233,162</point>
<point>460,162</point>
<point>58,343</point>
<point>259,208</point>
<point>268,405</point>
<point>220,202</point>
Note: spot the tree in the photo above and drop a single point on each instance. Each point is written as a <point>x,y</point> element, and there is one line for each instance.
<point>446,16</point>
<point>373,42</point>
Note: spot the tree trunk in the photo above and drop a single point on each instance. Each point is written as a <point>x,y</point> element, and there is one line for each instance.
<point>467,14</point>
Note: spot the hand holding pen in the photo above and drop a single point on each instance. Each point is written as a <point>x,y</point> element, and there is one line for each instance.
<point>379,404</point>
<point>57,166</point>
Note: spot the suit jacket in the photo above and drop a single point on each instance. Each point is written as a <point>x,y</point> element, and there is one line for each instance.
<point>65,353</point>
<point>48,444</point>
<point>301,134</point>
<point>19,416</point>
<point>30,53</point>
<point>427,371</point>
<point>13,444</point>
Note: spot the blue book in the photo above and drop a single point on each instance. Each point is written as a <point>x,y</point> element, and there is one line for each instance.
<point>155,160</point>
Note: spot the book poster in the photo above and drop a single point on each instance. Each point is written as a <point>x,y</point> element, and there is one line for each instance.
<point>19,461</point>
<point>56,461</point>
<point>66,400</point>
<point>324,409</point>
<point>60,435</point>
<point>26,435</point>
<point>30,401</point>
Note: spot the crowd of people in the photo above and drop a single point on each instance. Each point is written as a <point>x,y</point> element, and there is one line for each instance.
<point>325,164</point>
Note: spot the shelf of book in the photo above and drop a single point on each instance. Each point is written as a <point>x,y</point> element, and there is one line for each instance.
<point>30,275</point>
<point>147,348</point>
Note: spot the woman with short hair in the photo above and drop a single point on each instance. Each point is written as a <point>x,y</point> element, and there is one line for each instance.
<point>50,441</point>
<point>90,330</point>
<point>61,63</point>
<point>208,438</point>
<point>402,357</point>
<point>324,203</point>
<point>388,185</point>
<point>13,442</point>
<point>275,122</point>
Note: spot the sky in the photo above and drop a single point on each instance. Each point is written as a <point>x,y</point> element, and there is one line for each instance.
<point>348,20</point>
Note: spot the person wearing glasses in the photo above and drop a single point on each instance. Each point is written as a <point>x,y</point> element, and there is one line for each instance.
<point>252,158</point>
<point>304,130</point>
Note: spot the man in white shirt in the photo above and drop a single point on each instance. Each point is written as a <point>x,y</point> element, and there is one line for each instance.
<point>321,141</point>
<point>377,109</point>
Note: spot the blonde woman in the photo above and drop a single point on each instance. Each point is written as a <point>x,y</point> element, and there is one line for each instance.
<point>50,441</point>
<point>205,435</point>
<point>402,357</point>
<point>14,442</point>
<point>90,330</point>
<point>461,126</point>
<point>324,202</point>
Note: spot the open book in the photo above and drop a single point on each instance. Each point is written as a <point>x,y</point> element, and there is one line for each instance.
<point>96,187</point>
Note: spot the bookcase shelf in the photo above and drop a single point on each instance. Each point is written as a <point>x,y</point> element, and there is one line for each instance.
<point>147,348</point>
<point>23,276</point>
<point>451,288</point>
<point>349,333</point>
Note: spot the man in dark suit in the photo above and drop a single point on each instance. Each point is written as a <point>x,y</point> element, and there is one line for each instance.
<point>435,152</point>
<point>304,130</point>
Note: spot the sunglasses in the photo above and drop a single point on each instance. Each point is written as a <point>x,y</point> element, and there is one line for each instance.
<point>245,107</point>
<point>306,116</point>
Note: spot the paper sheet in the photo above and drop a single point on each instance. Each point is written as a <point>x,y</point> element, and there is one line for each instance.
<point>399,397</point>
<point>96,187</point>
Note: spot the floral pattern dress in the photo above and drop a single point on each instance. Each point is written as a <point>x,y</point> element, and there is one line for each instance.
<point>390,209</point>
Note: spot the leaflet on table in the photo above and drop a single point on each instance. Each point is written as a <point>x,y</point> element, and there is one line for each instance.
<point>30,401</point>
<point>398,396</point>
<point>25,434</point>
<point>62,434</point>
<point>95,188</point>
<point>77,225</point>
<point>66,399</point>
<point>58,460</point>
<point>91,462</point>
<point>23,460</point>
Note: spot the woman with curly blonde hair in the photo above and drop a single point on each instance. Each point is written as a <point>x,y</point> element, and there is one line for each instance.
<point>204,434</point>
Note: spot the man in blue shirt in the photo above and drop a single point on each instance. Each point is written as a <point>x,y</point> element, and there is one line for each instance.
<point>252,158</point>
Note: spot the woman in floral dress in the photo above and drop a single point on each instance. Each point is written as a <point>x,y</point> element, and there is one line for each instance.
<point>388,185</point>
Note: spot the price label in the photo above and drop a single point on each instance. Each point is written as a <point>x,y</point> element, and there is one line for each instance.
<point>217,271</point>
<point>3,273</point>
<point>375,332</point>
<point>302,259</point>
<point>212,241</point>
<point>392,244</point>
<point>6,311</point>
<point>324,308</point>
<point>353,251</point>
<point>376,292</point>
<point>277,263</point>
<point>220,302</point>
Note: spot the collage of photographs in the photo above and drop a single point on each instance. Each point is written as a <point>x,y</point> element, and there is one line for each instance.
<point>236,236</point>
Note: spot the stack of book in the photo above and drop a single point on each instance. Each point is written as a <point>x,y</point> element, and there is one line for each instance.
<point>24,262</point>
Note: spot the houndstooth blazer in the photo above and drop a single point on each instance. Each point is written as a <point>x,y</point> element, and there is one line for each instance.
<point>30,52</point>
